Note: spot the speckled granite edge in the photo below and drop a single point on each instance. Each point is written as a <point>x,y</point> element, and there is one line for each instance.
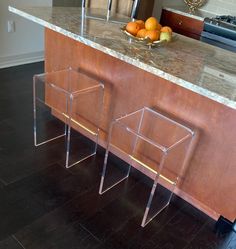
<point>194,88</point>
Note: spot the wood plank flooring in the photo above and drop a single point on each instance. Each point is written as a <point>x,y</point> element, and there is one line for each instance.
<point>45,206</point>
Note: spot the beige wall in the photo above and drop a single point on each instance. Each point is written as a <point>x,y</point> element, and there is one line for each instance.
<point>26,44</point>
<point>222,7</point>
<point>218,7</point>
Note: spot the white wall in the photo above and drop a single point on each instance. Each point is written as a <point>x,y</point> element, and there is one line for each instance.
<point>221,7</point>
<point>26,44</point>
<point>218,7</point>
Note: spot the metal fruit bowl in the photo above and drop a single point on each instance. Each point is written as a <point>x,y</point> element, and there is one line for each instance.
<point>146,41</point>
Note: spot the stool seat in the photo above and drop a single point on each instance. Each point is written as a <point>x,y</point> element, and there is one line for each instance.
<point>156,145</point>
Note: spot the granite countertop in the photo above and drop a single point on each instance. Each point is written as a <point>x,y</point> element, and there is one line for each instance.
<point>184,10</point>
<point>199,67</point>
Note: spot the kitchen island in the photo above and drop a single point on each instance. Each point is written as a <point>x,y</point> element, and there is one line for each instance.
<point>190,80</point>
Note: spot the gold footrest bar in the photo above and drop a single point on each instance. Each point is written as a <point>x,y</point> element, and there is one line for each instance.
<point>73,120</point>
<point>79,124</point>
<point>152,170</point>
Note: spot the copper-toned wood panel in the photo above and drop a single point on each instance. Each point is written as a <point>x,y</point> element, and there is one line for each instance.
<point>209,181</point>
<point>182,24</point>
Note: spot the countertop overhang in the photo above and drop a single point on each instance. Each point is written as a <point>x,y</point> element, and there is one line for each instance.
<point>199,67</point>
<point>199,14</point>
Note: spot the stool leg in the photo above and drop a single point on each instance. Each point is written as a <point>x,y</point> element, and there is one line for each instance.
<point>68,132</point>
<point>69,164</point>
<point>68,146</point>
<point>101,187</point>
<point>34,113</point>
<point>36,143</point>
<point>134,11</point>
<point>109,5</point>
<point>191,146</point>
<point>149,204</point>
<point>136,138</point>
<point>146,219</point>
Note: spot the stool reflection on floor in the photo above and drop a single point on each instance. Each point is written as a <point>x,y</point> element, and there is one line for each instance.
<point>63,100</point>
<point>154,144</point>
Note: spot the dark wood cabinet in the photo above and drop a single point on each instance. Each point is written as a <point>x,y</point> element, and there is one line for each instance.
<point>183,25</point>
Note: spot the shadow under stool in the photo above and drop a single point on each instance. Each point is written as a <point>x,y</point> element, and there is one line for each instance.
<point>156,145</point>
<point>63,100</point>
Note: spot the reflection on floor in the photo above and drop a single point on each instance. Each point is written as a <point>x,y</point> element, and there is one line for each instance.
<point>44,206</point>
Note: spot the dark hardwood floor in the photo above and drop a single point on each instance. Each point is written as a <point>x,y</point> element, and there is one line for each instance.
<point>45,206</point>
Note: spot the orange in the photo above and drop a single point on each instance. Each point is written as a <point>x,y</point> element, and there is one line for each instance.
<point>166,29</point>
<point>141,24</point>
<point>142,33</point>
<point>153,35</point>
<point>152,24</point>
<point>132,28</point>
<point>159,27</point>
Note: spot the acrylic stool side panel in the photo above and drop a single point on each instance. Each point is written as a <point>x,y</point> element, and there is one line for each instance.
<point>46,127</point>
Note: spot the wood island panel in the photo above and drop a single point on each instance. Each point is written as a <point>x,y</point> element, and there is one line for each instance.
<point>209,181</point>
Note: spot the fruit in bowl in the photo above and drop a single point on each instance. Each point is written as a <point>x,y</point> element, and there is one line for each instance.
<point>133,28</point>
<point>153,35</point>
<point>165,36</point>
<point>151,29</point>
<point>166,29</point>
<point>141,33</point>
<point>141,24</point>
<point>152,24</point>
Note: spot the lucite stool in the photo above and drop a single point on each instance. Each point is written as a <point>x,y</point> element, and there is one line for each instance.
<point>154,144</point>
<point>63,100</point>
<point>108,15</point>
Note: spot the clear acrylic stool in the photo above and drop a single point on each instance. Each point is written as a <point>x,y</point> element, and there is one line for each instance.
<point>153,144</point>
<point>63,100</point>
<point>108,15</point>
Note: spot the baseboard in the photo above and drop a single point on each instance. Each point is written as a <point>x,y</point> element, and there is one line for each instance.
<point>15,60</point>
<point>198,204</point>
